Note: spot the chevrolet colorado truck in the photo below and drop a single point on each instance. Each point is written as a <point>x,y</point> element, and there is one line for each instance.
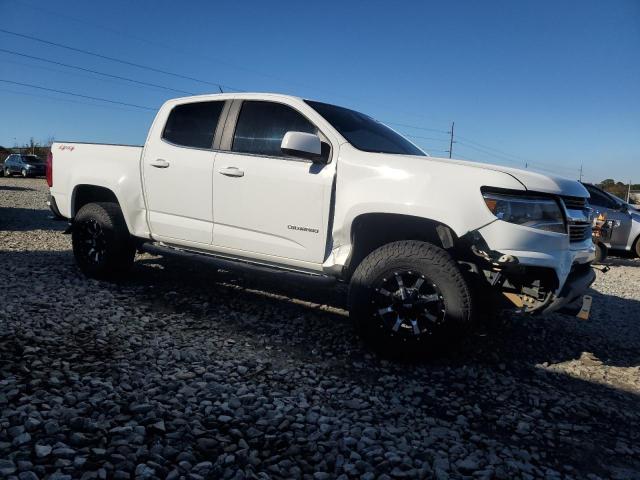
<point>425,243</point>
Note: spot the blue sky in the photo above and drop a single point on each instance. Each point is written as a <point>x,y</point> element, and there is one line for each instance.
<point>555,84</point>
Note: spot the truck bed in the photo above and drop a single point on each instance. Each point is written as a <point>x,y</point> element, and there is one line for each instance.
<point>112,167</point>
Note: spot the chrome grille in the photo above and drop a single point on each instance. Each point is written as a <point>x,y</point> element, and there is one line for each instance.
<point>578,217</point>
<point>579,232</point>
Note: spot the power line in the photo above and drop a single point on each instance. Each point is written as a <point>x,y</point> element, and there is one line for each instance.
<point>219,86</point>
<point>163,45</point>
<point>487,152</point>
<point>492,148</point>
<point>104,74</point>
<point>518,157</point>
<point>172,46</point>
<point>509,157</point>
<point>419,137</point>
<point>68,100</point>
<point>77,95</point>
<point>521,160</point>
<point>417,127</point>
<point>113,59</point>
<point>511,161</point>
<point>453,124</point>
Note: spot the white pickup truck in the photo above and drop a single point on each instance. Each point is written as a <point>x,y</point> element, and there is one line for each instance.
<point>425,243</point>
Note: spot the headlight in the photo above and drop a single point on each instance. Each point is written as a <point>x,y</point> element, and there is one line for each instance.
<point>534,212</point>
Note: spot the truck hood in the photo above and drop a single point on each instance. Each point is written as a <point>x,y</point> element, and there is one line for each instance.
<point>533,181</point>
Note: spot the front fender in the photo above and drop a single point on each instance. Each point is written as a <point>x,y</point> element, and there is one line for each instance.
<point>447,193</point>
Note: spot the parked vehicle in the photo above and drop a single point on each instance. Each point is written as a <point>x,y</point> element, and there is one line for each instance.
<point>25,165</point>
<point>425,243</point>
<point>625,219</point>
<point>601,233</point>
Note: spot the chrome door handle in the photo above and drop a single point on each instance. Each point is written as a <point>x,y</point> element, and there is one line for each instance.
<point>231,172</point>
<point>159,163</point>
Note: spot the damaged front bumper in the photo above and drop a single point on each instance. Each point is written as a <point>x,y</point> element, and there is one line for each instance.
<point>569,299</point>
<point>539,272</point>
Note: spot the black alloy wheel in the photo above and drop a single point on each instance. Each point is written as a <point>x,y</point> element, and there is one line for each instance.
<point>408,299</point>
<point>92,243</point>
<point>409,304</point>
<point>102,245</point>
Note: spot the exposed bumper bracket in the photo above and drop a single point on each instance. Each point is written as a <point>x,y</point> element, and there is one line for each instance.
<point>570,296</point>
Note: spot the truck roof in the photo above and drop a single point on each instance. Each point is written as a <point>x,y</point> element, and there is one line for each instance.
<point>236,95</point>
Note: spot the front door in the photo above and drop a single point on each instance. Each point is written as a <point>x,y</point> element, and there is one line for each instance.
<point>266,203</point>
<point>178,171</point>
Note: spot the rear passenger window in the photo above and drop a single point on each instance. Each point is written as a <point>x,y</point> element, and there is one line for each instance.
<point>262,125</point>
<point>193,124</point>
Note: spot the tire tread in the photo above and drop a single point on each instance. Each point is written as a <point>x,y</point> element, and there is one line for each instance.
<point>410,251</point>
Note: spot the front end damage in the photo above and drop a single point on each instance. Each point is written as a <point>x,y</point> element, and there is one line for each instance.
<point>527,281</point>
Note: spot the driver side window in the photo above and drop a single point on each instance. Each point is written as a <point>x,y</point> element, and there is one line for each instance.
<point>262,125</point>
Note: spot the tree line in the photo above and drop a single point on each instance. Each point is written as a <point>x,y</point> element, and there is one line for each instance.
<point>32,147</point>
<point>619,189</point>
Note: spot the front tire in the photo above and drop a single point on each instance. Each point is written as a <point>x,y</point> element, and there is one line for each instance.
<point>408,299</point>
<point>24,173</point>
<point>102,245</point>
<point>7,173</point>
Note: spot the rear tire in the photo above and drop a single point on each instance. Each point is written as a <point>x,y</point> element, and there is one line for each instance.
<point>636,246</point>
<point>408,300</point>
<point>7,173</point>
<point>24,173</point>
<point>102,245</point>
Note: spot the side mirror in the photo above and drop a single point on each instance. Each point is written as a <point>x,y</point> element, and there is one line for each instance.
<point>305,145</point>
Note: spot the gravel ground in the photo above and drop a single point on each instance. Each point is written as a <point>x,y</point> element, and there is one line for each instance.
<point>193,370</point>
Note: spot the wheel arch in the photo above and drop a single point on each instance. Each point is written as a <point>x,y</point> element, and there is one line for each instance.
<point>370,231</point>
<point>87,193</point>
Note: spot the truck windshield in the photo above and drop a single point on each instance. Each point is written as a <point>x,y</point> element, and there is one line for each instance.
<point>363,132</point>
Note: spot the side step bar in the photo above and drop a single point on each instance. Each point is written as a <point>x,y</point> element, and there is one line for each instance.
<point>162,249</point>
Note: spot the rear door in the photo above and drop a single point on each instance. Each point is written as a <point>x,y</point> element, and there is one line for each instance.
<point>178,171</point>
<point>267,204</point>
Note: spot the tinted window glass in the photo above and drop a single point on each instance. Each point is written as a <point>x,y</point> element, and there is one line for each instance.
<point>193,124</point>
<point>599,199</point>
<point>262,125</point>
<point>363,132</point>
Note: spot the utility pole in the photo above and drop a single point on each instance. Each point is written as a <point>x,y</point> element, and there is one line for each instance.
<point>453,124</point>
<point>580,172</point>
<point>629,192</point>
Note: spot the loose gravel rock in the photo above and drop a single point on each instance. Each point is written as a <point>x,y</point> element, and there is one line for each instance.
<point>188,369</point>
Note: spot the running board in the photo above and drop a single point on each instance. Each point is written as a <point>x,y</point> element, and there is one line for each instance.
<point>163,249</point>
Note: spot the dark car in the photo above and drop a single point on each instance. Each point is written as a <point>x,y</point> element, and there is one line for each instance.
<point>25,165</point>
